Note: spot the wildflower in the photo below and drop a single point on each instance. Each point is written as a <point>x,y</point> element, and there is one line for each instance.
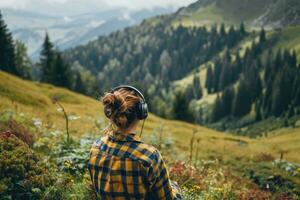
<point>197,187</point>
<point>67,164</point>
<point>37,122</point>
<point>73,117</point>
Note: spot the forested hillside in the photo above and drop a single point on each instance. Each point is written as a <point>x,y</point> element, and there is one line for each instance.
<point>223,76</point>
<point>243,73</point>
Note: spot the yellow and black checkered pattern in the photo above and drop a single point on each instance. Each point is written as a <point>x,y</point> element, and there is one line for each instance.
<point>122,167</point>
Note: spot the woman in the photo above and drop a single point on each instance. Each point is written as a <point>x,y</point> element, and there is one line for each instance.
<point>121,165</point>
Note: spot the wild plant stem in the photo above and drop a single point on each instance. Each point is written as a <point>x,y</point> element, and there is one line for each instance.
<point>67,120</point>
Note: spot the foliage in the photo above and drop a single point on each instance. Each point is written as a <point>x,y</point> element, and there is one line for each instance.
<point>12,127</point>
<point>211,182</point>
<point>180,107</point>
<point>7,49</point>
<point>273,94</point>
<point>23,62</point>
<point>23,173</point>
<point>153,55</point>
<point>232,151</point>
<point>53,67</point>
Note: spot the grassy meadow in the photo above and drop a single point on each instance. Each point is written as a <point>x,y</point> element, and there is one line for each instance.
<point>179,141</point>
<point>35,100</point>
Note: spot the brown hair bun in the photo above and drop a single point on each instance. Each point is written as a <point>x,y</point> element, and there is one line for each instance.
<point>120,107</point>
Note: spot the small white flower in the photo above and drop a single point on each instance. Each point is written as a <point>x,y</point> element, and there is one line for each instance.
<point>73,117</point>
<point>55,133</point>
<point>37,122</point>
<point>59,109</point>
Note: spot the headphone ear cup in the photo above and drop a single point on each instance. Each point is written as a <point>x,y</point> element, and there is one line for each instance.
<point>145,106</point>
<point>143,111</point>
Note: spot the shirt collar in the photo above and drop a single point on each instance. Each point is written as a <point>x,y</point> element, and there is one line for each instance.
<point>124,138</point>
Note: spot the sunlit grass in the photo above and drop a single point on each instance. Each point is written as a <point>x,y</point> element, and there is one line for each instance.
<point>34,99</point>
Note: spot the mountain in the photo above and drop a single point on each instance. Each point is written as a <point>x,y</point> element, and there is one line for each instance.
<point>169,57</point>
<point>70,31</point>
<point>256,13</point>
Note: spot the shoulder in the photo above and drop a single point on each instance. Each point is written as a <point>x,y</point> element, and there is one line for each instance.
<point>147,154</point>
<point>99,142</point>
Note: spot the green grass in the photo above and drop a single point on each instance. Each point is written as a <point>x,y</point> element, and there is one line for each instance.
<point>35,99</point>
<point>208,16</point>
<point>225,11</point>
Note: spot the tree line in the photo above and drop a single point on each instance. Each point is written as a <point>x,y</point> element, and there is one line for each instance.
<point>268,88</point>
<point>153,55</point>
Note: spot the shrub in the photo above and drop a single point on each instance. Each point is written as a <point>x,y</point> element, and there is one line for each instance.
<point>22,175</point>
<point>18,130</point>
<point>254,194</point>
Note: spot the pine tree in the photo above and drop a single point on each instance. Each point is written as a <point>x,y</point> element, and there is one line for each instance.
<point>79,85</point>
<point>47,61</point>
<point>23,62</point>
<point>226,74</point>
<point>7,49</point>
<point>209,79</point>
<point>237,67</point>
<point>226,101</point>
<point>217,110</point>
<point>61,72</point>
<point>222,30</point>
<point>293,61</point>
<point>242,101</point>
<point>217,75</point>
<point>262,36</point>
<point>268,66</point>
<point>232,37</point>
<point>197,89</point>
<point>277,96</point>
<point>181,107</point>
<point>242,29</point>
<point>258,116</point>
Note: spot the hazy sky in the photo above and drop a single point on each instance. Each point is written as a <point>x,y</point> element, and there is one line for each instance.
<point>68,7</point>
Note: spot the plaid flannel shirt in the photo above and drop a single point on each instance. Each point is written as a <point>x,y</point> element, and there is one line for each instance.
<point>123,167</point>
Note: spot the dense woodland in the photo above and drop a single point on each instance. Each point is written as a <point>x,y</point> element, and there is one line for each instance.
<point>270,87</point>
<point>153,55</point>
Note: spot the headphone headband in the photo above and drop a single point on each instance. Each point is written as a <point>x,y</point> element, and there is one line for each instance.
<point>131,88</point>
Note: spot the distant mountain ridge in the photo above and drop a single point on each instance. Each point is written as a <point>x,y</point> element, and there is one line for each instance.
<point>70,31</point>
<point>272,13</point>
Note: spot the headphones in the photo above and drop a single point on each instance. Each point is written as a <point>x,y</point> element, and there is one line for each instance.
<point>142,107</point>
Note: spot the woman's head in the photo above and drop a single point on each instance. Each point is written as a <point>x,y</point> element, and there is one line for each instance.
<point>120,106</point>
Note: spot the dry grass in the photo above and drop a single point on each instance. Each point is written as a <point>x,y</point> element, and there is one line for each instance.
<point>35,99</point>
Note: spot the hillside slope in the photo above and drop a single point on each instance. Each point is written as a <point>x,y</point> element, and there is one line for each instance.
<point>270,13</point>
<point>34,100</point>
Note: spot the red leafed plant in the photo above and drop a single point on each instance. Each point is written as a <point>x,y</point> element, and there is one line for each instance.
<point>18,130</point>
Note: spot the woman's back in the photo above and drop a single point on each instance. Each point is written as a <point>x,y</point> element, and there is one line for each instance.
<point>123,167</point>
